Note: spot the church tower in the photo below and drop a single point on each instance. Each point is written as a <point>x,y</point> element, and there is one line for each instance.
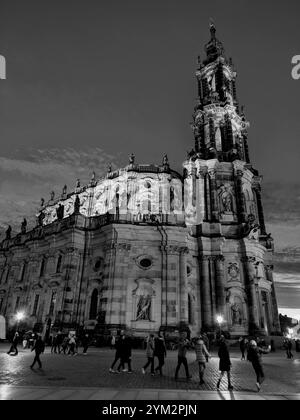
<point>223,206</point>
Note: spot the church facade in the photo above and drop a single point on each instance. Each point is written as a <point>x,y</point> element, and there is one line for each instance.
<point>146,248</point>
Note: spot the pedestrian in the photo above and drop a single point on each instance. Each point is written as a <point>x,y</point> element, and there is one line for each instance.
<point>254,356</point>
<point>125,350</point>
<point>39,347</point>
<point>225,363</point>
<point>72,345</point>
<point>59,339</point>
<point>65,345</point>
<point>183,346</point>
<point>149,354</point>
<point>243,347</point>
<point>160,351</point>
<point>289,347</point>
<point>14,344</point>
<point>206,342</point>
<point>117,355</point>
<point>85,343</point>
<point>112,342</point>
<point>54,344</point>
<point>202,356</point>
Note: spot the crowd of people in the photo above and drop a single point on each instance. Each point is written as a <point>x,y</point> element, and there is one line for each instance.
<point>156,352</point>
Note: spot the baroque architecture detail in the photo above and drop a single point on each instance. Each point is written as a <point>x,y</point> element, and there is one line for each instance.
<point>146,248</point>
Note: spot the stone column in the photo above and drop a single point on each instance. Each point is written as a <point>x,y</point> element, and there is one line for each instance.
<point>183,289</point>
<point>257,190</point>
<point>251,292</point>
<point>240,197</point>
<point>207,198</point>
<point>220,285</point>
<point>206,303</point>
<point>213,196</point>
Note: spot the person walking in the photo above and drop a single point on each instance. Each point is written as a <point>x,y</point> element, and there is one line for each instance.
<point>160,351</point>
<point>54,344</point>
<point>289,347</point>
<point>183,345</point>
<point>39,347</point>
<point>202,355</point>
<point>125,350</point>
<point>72,345</point>
<point>243,347</point>
<point>254,356</point>
<point>117,355</point>
<point>64,345</point>
<point>85,343</point>
<point>14,345</point>
<point>225,363</point>
<point>149,354</point>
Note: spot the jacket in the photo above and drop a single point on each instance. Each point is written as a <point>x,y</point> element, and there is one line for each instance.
<point>254,355</point>
<point>150,348</point>
<point>223,353</point>
<point>39,346</point>
<point>159,347</point>
<point>182,348</point>
<point>201,351</point>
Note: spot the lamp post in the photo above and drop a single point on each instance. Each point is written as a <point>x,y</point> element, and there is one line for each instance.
<point>19,317</point>
<point>220,321</point>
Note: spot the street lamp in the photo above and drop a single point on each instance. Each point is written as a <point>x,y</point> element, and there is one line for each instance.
<point>220,321</point>
<point>19,317</point>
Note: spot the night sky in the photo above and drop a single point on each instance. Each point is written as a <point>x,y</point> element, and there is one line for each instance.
<point>90,82</point>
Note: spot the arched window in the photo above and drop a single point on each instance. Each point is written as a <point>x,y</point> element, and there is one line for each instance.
<point>94,304</point>
<point>58,266</point>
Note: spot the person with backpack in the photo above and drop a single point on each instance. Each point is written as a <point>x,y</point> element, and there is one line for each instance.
<point>254,356</point>
<point>117,355</point>
<point>39,347</point>
<point>149,354</point>
<point>225,363</point>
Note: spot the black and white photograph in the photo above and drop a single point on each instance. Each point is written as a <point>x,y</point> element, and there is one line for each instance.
<point>149,203</point>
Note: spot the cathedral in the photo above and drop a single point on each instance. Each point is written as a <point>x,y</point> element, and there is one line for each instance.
<point>148,249</point>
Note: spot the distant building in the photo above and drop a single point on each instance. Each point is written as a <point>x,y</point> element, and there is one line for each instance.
<point>146,248</point>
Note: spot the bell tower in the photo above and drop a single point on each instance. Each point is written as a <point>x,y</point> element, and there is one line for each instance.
<point>223,205</point>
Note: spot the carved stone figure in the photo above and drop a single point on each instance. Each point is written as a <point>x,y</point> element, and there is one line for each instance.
<point>165,161</point>
<point>233,271</point>
<point>40,218</point>
<point>131,159</point>
<point>60,212</point>
<point>236,314</point>
<point>226,199</point>
<point>78,183</point>
<point>8,232</point>
<point>24,226</point>
<point>64,191</point>
<point>52,195</point>
<point>42,202</point>
<point>77,205</point>
<point>144,308</point>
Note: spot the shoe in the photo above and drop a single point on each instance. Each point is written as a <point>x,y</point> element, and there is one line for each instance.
<point>152,374</point>
<point>218,384</point>
<point>230,387</point>
<point>143,371</point>
<point>111,370</point>
<point>117,371</point>
<point>257,386</point>
<point>129,371</point>
<point>84,354</point>
<point>125,370</point>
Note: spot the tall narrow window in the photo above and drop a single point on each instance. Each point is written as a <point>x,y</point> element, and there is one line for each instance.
<point>35,305</point>
<point>58,266</point>
<point>43,266</point>
<point>94,304</point>
<point>17,303</point>
<point>23,269</point>
<point>190,310</point>
<point>52,303</point>
<point>1,303</point>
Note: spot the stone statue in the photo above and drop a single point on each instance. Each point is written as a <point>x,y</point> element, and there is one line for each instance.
<point>144,308</point>
<point>64,191</point>
<point>131,159</point>
<point>109,168</point>
<point>52,195</point>
<point>227,201</point>
<point>236,314</point>
<point>78,183</point>
<point>40,218</point>
<point>42,202</point>
<point>60,212</point>
<point>165,161</point>
<point>24,226</point>
<point>8,232</point>
<point>93,179</point>
<point>77,205</point>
